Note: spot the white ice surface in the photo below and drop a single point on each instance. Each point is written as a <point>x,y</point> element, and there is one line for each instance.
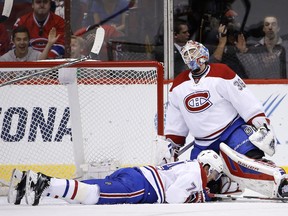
<point>56,207</point>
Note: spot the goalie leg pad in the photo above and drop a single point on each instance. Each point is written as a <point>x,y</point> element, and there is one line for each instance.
<point>256,175</point>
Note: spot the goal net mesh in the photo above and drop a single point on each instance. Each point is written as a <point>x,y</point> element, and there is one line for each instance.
<point>50,123</point>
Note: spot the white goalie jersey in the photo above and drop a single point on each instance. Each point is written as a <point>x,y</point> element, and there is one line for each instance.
<point>207,107</point>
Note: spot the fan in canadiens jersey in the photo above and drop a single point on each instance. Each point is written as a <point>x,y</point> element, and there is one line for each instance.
<point>39,22</point>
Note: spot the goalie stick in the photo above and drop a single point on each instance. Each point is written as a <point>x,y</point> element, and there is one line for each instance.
<point>90,27</point>
<point>7,7</point>
<point>185,148</point>
<point>98,41</point>
<point>235,197</point>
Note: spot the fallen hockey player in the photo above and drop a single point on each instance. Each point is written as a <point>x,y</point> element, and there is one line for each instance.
<point>178,182</point>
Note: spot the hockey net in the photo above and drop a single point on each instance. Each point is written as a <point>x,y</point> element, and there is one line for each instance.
<point>57,122</point>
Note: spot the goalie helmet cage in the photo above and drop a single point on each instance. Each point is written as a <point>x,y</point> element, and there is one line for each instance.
<point>113,109</point>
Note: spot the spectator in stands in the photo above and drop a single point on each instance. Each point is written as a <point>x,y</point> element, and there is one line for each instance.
<point>181,36</point>
<point>4,40</point>
<point>268,58</point>
<point>77,46</point>
<point>98,11</point>
<point>40,22</point>
<point>230,42</point>
<point>22,51</point>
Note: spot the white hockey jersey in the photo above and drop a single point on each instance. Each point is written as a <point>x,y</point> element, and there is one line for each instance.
<point>207,107</point>
<point>175,182</point>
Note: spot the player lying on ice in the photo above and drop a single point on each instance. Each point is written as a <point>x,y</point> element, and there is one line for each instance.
<point>178,182</point>
<point>212,103</point>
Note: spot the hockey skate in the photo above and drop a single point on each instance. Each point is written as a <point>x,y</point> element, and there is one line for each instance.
<point>283,188</point>
<point>35,185</point>
<point>17,187</point>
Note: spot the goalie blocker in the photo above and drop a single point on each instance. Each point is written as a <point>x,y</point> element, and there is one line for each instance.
<point>262,177</point>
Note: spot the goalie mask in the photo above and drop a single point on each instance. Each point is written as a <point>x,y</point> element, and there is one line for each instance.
<point>209,157</point>
<point>194,55</point>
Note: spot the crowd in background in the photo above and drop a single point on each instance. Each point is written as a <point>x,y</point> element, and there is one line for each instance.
<point>257,52</point>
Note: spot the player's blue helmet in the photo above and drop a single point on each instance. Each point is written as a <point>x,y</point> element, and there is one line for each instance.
<point>211,158</point>
<point>194,54</point>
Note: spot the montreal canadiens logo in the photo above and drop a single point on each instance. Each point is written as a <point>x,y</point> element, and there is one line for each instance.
<point>197,101</point>
<point>38,43</point>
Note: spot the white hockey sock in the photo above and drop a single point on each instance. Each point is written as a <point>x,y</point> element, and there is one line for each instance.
<point>73,191</point>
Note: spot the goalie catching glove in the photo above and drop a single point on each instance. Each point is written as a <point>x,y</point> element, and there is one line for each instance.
<point>263,137</point>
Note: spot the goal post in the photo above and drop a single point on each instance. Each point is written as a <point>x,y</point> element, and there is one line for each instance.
<point>92,112</point>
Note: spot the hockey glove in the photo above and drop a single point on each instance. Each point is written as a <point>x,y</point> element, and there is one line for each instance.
<point>196,197</point>
<point>264,139</point>
<point>167,151</point>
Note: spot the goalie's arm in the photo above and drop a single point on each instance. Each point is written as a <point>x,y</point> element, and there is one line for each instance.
<point>175,127</point>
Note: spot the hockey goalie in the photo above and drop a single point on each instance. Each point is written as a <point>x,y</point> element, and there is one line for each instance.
<point>212,104</point>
